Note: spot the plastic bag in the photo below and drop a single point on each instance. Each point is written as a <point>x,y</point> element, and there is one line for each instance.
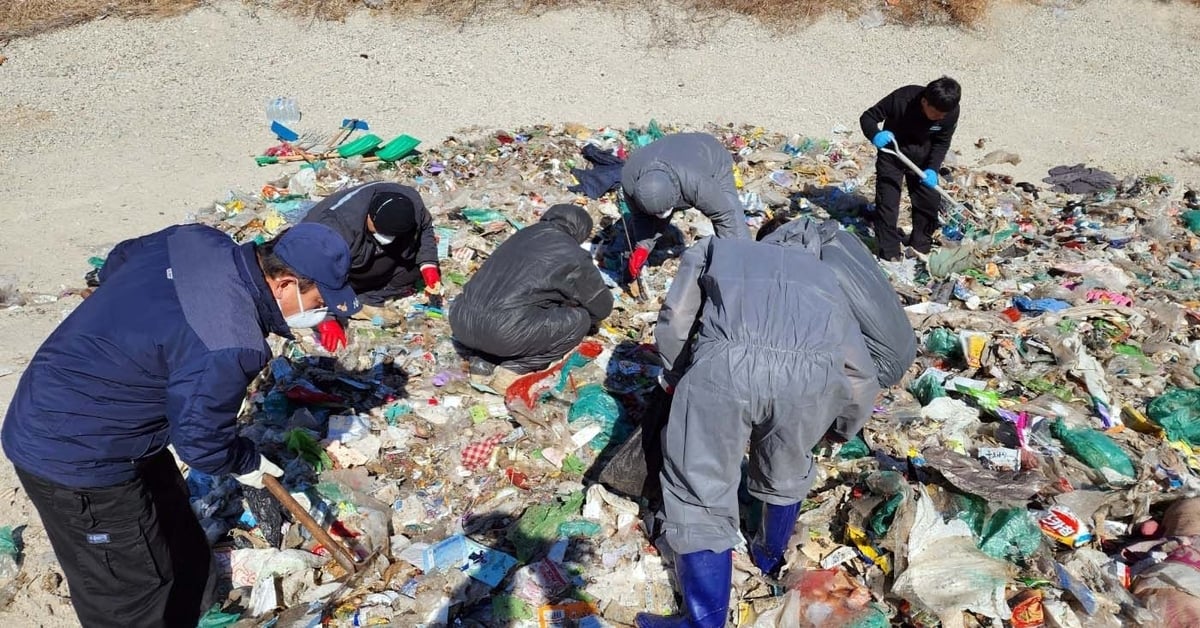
<point>1178,412</point>
<point>825,597</point>
<point>9,555</point>
<point>1094,448</point>
<point>854,448</point>
<point>943,342</point>
<point>1011,534</point>
<point>594,404</point>
<point>214,618</point>
<point>927,388</point>
<point>1191,220</point>
<point>946,573</point>
<point>539,525</point>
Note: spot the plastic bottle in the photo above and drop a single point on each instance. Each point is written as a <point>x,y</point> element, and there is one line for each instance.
<point>284,110</point>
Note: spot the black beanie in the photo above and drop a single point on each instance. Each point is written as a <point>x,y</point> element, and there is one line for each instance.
<point>393,214</point>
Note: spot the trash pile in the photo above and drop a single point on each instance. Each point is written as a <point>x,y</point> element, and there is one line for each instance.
<point>1020,474</point>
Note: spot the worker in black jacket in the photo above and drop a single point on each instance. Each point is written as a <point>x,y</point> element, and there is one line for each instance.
<point>534,299</point>
<point>392,246</point>
<point>922,121</point>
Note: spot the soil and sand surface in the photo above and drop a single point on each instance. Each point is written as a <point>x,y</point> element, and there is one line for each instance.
<point>116,128</point>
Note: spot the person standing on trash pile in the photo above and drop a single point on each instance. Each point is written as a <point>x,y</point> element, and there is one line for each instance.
<point>534,299</point>
<point>921,120</point>
<point>759,345</point>
<point>392,247</point>
<point>677,172</point>
<point>160,354</point>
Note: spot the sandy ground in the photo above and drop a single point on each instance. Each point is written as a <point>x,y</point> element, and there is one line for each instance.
<point>114,129</point>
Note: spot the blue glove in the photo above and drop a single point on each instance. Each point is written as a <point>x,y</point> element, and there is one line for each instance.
<point>883,139</point>
<point>930,179</point>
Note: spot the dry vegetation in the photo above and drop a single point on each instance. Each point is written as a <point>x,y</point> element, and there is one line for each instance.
<point>20,18</point>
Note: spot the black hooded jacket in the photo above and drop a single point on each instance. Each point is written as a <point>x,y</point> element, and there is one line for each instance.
<point>537,287</point>
<point>373,265</point>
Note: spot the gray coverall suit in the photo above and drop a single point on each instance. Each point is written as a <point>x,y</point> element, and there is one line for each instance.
<point>677,172</point>
<point>771,355</point>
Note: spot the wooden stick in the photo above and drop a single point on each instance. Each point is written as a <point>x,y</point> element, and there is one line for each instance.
<point>340,553</point>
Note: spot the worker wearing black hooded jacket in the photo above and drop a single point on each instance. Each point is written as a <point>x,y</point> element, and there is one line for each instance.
<point>392,245</point>
<point>535,298</point>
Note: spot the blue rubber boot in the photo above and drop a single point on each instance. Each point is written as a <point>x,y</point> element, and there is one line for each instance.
<point>705,579</point>
<point>766,550</point>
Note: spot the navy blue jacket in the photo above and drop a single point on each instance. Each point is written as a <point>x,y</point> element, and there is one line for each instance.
<point>160,354</point>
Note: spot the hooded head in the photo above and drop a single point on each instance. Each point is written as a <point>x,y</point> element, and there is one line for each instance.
<point>656,192</point>
<point>392,214</point>
<point>802,233</point>
<point>572,219</point>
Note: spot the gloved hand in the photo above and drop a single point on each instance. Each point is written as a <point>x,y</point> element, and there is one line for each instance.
<point>331,335</point>
<point>930,179</point>
<point>883,139</point>
<point>255,478</point>
<point>637,259</point>
<point>667,382</point>
<point>433,280</point>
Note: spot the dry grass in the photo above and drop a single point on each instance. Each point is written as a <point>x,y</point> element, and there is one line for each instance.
<point>21,18</point>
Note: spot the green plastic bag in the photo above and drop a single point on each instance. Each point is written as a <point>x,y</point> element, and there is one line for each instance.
<point>883,515</point>
<point>927,388</point>
<point>1094,448</point>
<point>7,544</point>
<point>1178,412</point>
<point>854,448</point>
<point>302,444</point>
<point>1011,534</point>
<point>972,510</point>
<point>482,215</point>
<point>943,342</point>
<point>1191,220</point>
<point>538,525</point>
<point>594,404</point>
<point>874,617</point>
<point>214,618</point>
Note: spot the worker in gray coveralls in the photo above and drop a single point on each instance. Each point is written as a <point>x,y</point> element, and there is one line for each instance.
<point>677,172</point>
<point>779,358</point>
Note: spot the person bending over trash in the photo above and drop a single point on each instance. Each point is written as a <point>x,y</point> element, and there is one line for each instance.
<point>921,120</point>
<point>760,344</point>
<point>161,354</point>
<point>534,299</point>
<point>392,247</point>
<point>677,172</point>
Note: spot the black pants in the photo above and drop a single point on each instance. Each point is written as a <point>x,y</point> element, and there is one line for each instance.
<point>925,205</point>
<point>134,554</point>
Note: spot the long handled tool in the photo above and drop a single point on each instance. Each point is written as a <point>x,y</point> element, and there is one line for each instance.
<point>340,553</point>
<point>959,207</point>
<point>636,287</point>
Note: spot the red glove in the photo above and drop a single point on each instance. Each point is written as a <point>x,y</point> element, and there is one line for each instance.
<point>331,335</point>
<point>637,259</point>
<point>433,279</point>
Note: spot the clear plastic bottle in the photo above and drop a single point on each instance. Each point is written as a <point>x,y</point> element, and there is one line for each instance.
<point>284,110</point>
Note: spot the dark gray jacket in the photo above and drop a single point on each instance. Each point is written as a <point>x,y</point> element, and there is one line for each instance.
<point>697,171</point>
<point>538,290</point>
<point>735,297</point>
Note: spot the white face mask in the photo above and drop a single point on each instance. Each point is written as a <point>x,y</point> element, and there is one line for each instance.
<point>383,239</point>
<point>304,319</point>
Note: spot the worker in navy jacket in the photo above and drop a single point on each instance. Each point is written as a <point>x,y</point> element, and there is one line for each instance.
<point>160,354</point>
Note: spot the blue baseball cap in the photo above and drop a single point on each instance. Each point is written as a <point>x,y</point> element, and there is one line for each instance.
<point>318,253</point>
